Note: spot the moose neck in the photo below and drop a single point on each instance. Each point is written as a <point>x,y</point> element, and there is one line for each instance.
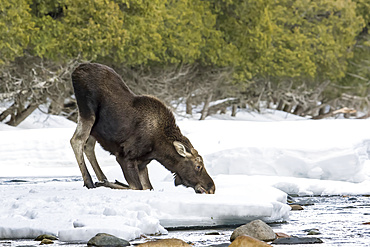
<point>169,161</point>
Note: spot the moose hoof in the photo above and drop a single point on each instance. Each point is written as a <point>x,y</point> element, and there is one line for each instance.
<point>90,185</point>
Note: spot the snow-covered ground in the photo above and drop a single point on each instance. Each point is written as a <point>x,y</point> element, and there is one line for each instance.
<point>255,159</point>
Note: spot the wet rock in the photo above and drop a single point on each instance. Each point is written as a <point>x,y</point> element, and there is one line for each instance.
<point>313,232</point>
<point>17,181</point>
<point>45,236</point>
<point>103,239</point>
<point>366,223</point>
<point>296,207</point>
<point>219,245</point>
<point>282,235</point>
<point>306,202</point>
<point>46,241</point>
<point>172,242</point>
<point>310,229</point>
<point>290,199</point>
<point>297,240</point>
<point>247,241</point>
<point>256,229</point>
<point>212,233</point>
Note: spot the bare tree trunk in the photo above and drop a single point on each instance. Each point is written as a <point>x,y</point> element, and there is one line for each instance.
<point>233,110</point>
<point>322,110</point>
<point>189,105</point>
<point>287,108</point>
<point>19,117</point>
<point>280,105</point>
<point>7,112</point>
<point>332,113</point>
<point>206,107</point>
<point>223,110</point>
<point>298,110</point>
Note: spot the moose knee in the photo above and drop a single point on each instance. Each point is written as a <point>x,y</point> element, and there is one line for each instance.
<point>76,143</point>
<point>131,166</point>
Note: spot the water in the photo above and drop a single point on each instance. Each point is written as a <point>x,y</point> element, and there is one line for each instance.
<point>338,220</point>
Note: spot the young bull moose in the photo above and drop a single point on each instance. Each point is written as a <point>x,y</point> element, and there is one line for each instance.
<point>136,129</point>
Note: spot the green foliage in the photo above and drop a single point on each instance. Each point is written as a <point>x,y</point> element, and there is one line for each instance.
<point>363,9</point>
<point>357,77</point>
<point>69,29</point>
<point>289,38</point>
<point>142,19</point>
<point>259,38</point>
<point>332,27</point>
<point>16,26</point>
<point>303,41</point>
<point>189,34</point>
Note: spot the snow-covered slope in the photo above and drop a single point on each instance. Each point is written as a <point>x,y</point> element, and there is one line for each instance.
<point>252,162</point>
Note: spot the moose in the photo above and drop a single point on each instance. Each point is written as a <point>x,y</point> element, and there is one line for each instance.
<point>136,129</point>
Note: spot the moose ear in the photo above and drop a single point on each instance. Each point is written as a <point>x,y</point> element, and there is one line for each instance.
<point>180,148</point>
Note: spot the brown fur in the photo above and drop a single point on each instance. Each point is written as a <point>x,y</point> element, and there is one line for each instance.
<point>136,129</point>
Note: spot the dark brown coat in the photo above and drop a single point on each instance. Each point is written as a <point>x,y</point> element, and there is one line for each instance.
<point>136,129</point>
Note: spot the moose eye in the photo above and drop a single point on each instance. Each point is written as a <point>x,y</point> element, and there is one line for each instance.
<point>198,168</point>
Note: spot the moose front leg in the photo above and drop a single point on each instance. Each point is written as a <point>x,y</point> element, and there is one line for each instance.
<point>131,172</point>
<point>144,176</point>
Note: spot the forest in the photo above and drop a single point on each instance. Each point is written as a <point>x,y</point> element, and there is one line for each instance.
<point>308,58</point>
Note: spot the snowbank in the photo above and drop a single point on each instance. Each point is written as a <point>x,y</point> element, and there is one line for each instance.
<point>76,214</point>
<point>252,163</point>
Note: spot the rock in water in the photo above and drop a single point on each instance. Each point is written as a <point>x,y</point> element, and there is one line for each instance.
<point>296,240</point>
<point>103,239</point>
<point>247,241</point>
<point>282,235</point>
<point>45,236</point>
<point>46,241</point>
<point>256,229</point>
<point>307,202</point>
<point>296,207</point>
<point>173,242</point>
<point>313,232</point>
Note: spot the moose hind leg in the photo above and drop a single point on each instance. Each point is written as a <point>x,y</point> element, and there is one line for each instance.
<point>78,141</point>
<point>90,154</point>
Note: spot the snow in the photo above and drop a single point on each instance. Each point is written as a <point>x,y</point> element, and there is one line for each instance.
<point>255,159</point>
